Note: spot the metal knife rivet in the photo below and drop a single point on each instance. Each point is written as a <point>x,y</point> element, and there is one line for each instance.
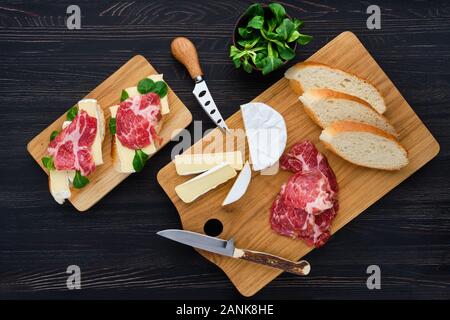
<point>212,111</point>
<point>207,103</point>
<point>202,93</point>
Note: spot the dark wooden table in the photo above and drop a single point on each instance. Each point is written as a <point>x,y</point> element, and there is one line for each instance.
<point>45,68</point>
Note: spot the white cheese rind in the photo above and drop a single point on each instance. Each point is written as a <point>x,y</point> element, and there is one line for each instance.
<point>186,164</point>
<point>59,185</point>
<point>240,185</point>
<point>91,107</point>
<point>195,187</point>
<point>126,155</point>
<point>266,134</point>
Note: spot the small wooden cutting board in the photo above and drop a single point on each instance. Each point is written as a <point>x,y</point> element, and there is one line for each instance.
<point>247,220</point>
<point>105,178</point>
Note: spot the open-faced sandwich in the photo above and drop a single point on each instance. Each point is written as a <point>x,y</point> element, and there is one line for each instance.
<point>136,122</point>
<point>76,150</point>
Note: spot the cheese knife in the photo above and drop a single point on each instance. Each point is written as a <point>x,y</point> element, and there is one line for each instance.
<point>184,51</point>
<point>227,248</point>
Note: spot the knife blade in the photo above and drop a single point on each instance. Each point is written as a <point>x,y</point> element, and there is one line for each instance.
<point>185,52</point>
<point>227,248</point>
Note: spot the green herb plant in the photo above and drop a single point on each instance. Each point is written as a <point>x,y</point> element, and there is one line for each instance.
<point>267,40</point>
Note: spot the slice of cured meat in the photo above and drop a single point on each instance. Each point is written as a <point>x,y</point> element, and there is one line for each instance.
<point>304,157</point>
<point>137,119</point>
<point>72,147</point>
<point>307,203</point>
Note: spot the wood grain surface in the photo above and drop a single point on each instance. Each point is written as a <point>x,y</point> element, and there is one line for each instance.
<point>247,220</point>
<point>46,68</point>
<point>105,177</point>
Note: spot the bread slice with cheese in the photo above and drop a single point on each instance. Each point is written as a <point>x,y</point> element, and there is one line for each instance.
<point>61,180</point>
<point>365,145</point>
<point>326,106</point>
<point>312,75</point>
<point>122,156</point>
<point>93,109</point>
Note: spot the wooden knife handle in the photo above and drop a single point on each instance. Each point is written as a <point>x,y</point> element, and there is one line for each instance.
<point>301,267</point>
<point>184,51</point>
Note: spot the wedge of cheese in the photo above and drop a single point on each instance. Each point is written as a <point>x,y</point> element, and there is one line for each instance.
<point>186,164</point>
<point>123,156</point>
<point>59,185</point>
<point>132,92</point>
<point>195,187</point>
<point>92,108</point>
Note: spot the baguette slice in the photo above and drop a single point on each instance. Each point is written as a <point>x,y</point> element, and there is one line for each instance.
<point>93,109</point>
<point>122,156</point>
<point>61,180</point>
<point>365,145</point>
<point>312,75</point>
<point>325,106</point>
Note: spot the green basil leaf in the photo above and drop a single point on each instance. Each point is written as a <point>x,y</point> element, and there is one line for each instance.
<point>278,11</point>
<point>72,113</point>
<point>271,24</point>
<point>160,89</point>
<point>234,51</point>
<point>246,66</point>
<point>285,29</point>
<point>145,86</point>
<point>286,52</point>
<point>237,63</point>
<point>112,126</point>
<point>256,22</point>
<point>304,39</point>
<point>255,10</point>
<point>297,23</point>
<point>272,36</point>
<point>48,163</point>
<point>139,160</point>
<point>124,96</point>
<point>270,64</point>
<point>245,32</point>
<point>259,60</point>
<point>270,52</point>
<point>53,135</point>
<point>294,36</point>
<point>79,181</point>
<point>248,44</point>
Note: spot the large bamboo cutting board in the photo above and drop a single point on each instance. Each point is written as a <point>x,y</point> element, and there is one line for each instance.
<point>247,221</point>
<point>105,178</point>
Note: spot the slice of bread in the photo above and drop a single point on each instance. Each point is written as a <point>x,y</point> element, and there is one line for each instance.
<point>122,157</point>
<point>325,106</point>
<point>312,75</point>
<point>365,145</point>
<point>60,180</point>
<point>93,109</point>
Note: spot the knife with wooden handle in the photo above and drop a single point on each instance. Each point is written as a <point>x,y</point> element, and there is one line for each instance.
<point>227,248</point>
<point>184,51</point>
